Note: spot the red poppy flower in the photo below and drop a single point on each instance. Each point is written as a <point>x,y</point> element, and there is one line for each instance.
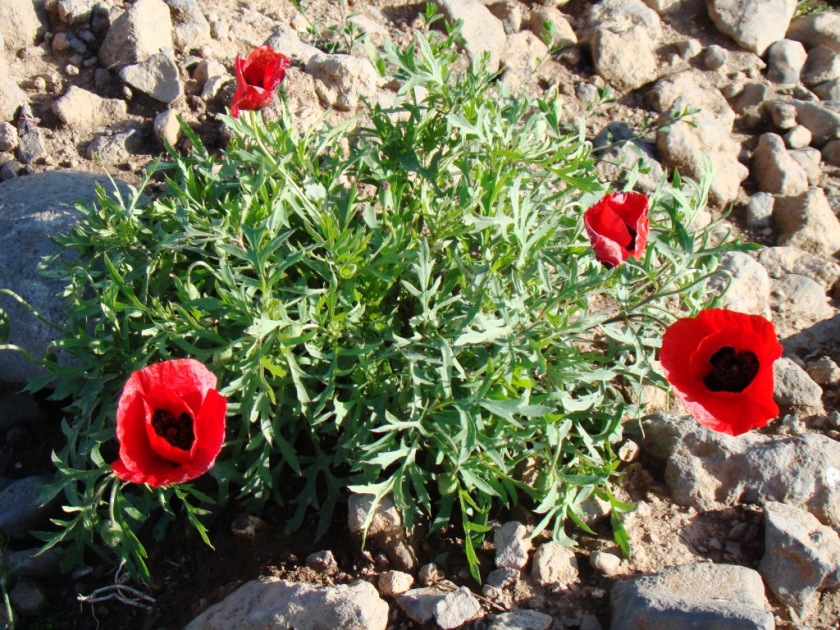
<point>618,227</point>
<point>720,365</point>
<point>256,78</point>
<point>170,423</point>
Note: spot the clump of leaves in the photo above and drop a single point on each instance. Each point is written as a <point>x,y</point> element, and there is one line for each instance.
<point>407,306</point>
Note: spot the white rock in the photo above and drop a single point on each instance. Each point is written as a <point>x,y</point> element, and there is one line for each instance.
<point>20,23</point>
<point>190,29</point>
<point>11,98</point>
<point>554,565</point>
<point>828,91</point>
<point>605,563</point>
<point>286,41</point>
<point>482,31</point>
<point>86,111</point>
<point>386,519</point>
<point>274,603</point>
<point>715,57</point>
<point>393,583</point>
<point>753,24</point>
<point>114,148</point>
<point>824,371</point>
<point>418,604</point>
<point>626,60</point>
<point>798,137</point>
<point>620,16</point>
<point>509,13</point>
<point>167,128</point>
<point>760,210</point>
<point>810,159</point>
<point>456,609</point>
<point>823,119</point>
<point>156,76</point>
<point>692,89</point>
<point>801,558</point>
<point>808,223</point>
<point>748,284</point>
<point>817,29</point>
<point>793,386</point>
<point>523,52</point>
<point>521,620</point>
<point>144,29</point>
<point>8,136</point>
<point>75,11</point>
<point>322,561</point>
<point>343,79</point>
<point>774,171</point>
<point>785,61</point>
<point>512,545</point>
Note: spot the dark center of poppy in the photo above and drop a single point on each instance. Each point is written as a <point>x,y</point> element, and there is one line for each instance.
<point>632,244</point>
<point>731,371</point>
<point>177,431</point>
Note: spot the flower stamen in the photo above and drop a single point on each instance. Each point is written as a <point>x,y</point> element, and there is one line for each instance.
<point>731,371</point>
<point>177,431</point>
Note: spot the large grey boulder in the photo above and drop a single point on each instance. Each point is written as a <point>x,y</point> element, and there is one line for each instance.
<point>274,603</point>
<point>33,209</point>
<point>752,24</point>
<point>142,30</point>
<point>692,596</point>
<point>801,558</point>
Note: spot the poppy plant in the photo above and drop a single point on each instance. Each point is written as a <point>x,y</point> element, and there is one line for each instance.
<point>720,365</point>
<point>617,227</point>
<point>256,78</point>
<point>170,423</point>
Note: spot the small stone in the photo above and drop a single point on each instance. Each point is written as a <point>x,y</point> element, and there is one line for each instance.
<point>512,545</point>
<point>715,57</point>
<point>793,386</point>
<point>30,146</point>
<point>323,561</point>
<point>831,153</point>
<point>456,609</point>
<point>798,137</point>
<point>823,64</point>
<point>629,451</point>
<point>393,583</point>
<point>8,136</point>
<point>760,210</point>
<point>429,574</point>
<point>500,578</point>
<point>167,128</point>
<point>554,565</point>
<point>824,371</point>
<point>521,620</point>
<point>689,48</point>
<point>606,563</point>
<point>784,115</point>
<point>246,526</point>
<point>70,70</point>
<point>785,61</point>
<point>419,604</point>
<point>27,597</point>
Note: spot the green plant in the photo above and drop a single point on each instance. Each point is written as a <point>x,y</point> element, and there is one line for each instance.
<point>808,7</point>
<point>338,37</point>
<point>405,307</point>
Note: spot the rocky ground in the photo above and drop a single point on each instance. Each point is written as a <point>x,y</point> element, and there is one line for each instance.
<point>736,531</point>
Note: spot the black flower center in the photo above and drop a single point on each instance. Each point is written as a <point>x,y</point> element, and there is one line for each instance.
<point>177,431</point>
<point>632,244</point>
<point>731,371</point>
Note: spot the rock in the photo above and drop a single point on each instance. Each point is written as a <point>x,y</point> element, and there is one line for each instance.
<point>785,60</point>
<point>521,620</point>
<point>190,29</point>
<point>560,32</point>
<point>11,98</point>
<point>594,509</point>
<point>747,281</point>
<point>21,24</point>
<point>554,565</point>
<point>456,609</point>
<point>709,471</point>
<point>623,156</point>
<point>523,52</point>
<point>774,171</point>
<point>167,128</point>
<point>620,69</point>
<point>287,41</point>
<point>31,146</point>
<point>809,159</point>
<point>686,149</point>
<point>28,597</point>
<point>393,583</point>
<point>828,91</point>
<point>342,79</point>
<point>33,210</point>
<point>783,114</point>
<point>8,136</point>
<point>34,564</point>
<point>689,48</point>
<point>482,32</point>
<point>823,122</point>
<point>831,153</point>
<point>85,111</point>
<point>801,558</point>
<point>156,76</point>
<point>75,11</point>
<point>512,545</point>
<point>207,69</point>
<point>780,261</point>
<point>274,603</point>
<point>620,16</point>
<point>509,13</point>
<point>823,64</point>
<point>116,147</point>
<point>760,210</point>
<point>605,563</point>
<point>748,103</point>
<point>385,532</point>
<point>798,138</point>
<point>817,29</point>
<point>692,596</point>
<point>752,24</point>
<point>824,371</point>
<point>808,223</point>
<point>323,562</point>
<point>143,30</point>
<point>715,57</point>
<point>419,603</point>
<point>794,388</point>
<point>20,509</point>
<point>500,578</point>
